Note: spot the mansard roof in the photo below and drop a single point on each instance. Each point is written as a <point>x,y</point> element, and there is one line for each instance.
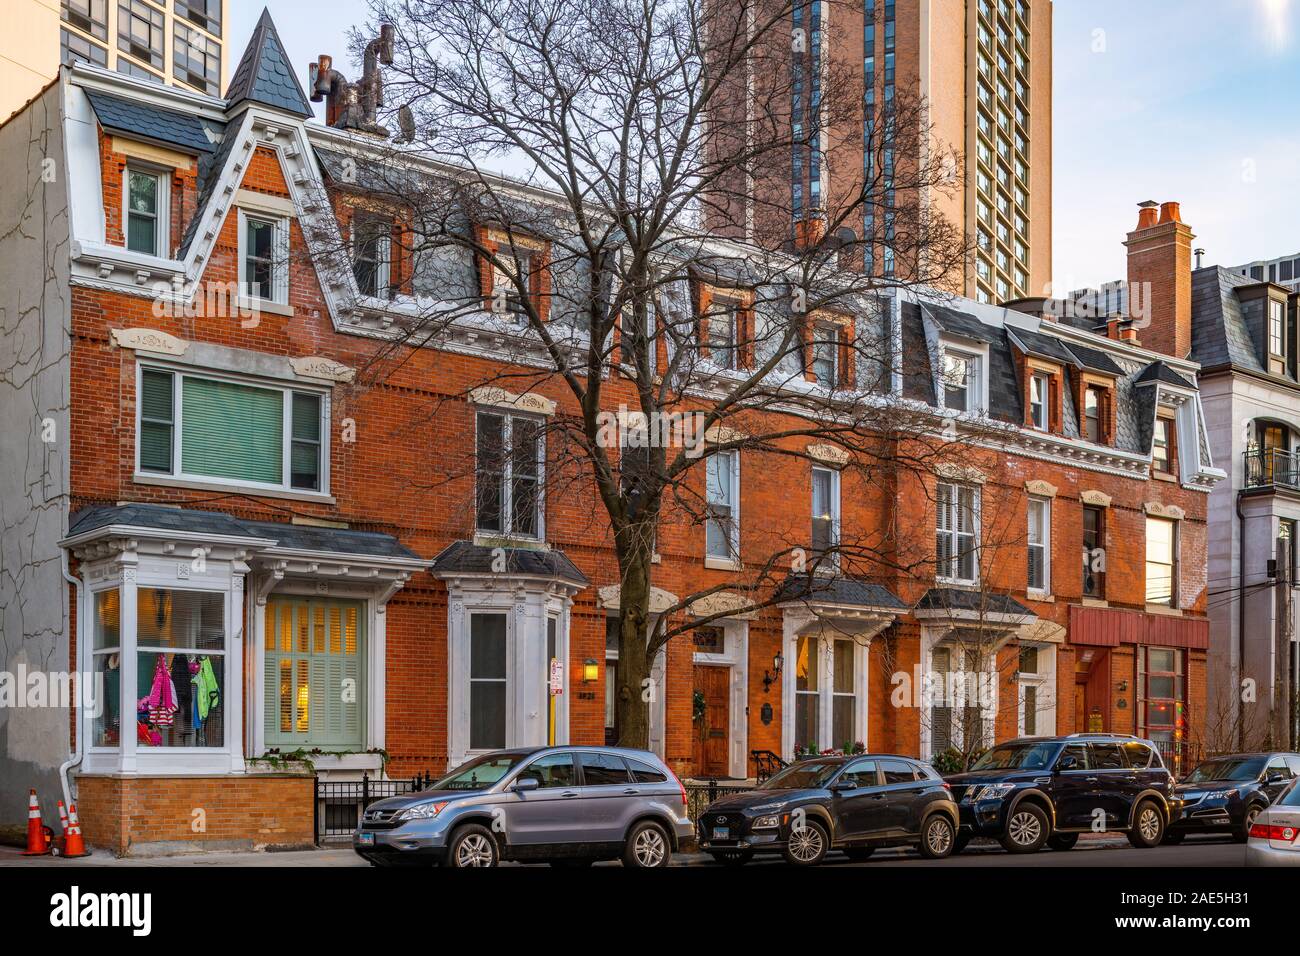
<point>264,74</point>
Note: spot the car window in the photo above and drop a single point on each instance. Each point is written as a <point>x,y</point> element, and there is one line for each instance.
<point>1278,765</point>
<point>926,771</point>
<point>552,770</point>
<point>602,770</point>
<point>1079,752</point>
<point>1291,798</point>
<point>896,771</point>
<point>1293,761</point>
<point>479,772</point>
<point>861,772</point>
<point>1139,755</point>
<point>642,772</point>
<point>1227,768</point>
<point>1106,757</point>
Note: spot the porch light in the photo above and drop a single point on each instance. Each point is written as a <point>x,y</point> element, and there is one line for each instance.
<point>777,661</point>
<point>590,671</point>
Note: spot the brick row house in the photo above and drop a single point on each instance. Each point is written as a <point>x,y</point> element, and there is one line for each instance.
<point>272,560</point>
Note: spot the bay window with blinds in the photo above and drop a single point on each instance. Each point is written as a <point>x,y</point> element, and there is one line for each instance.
<point>198,428</point>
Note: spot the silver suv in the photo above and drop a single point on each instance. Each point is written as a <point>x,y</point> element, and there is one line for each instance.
<point>567,806</point>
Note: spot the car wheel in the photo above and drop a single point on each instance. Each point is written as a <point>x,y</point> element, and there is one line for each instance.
<point>647,847</point>
<point>859,853</point>
<point>472,845</point>
<point>807,846</point>
<point>1148,826</point>
<point>1062,841</point>
<point>937,837</point>
<point>1242,833</point>
<point>1172,838</point>
<point>1027,829</point>
<point>732,857</point>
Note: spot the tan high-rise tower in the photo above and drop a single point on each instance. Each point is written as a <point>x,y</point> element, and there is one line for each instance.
<point>178,42</point>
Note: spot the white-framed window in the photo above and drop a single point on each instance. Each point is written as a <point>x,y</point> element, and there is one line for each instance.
<point>960,381</point>
<point>957,532</point>
<point>1040,390</point>
<point>231,431</point>
<point>1162,561</point>
<point>145,204</point>
<point>825,513</point>
<point>1036,679</point>
<point>828,693</point>
<point>826,354</point>
<point>488,681</point>
<point>1040,544</point>
<point>177,652</point>
<point>723,333</point>
<point>372,254</point>
<point>509,475</point>
<point>722,523</point>
<point>511,261</point>
<point>264,257</point>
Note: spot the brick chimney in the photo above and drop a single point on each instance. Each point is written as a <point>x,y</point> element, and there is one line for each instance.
<point>1160,279</point>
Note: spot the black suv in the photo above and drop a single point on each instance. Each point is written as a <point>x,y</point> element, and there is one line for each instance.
<point>854,804</point>
<point>1226,794</point>
<point>1038,790</point>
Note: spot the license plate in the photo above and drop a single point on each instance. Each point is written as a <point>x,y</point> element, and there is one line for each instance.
<point>722,833</point>
<point>366,839</point>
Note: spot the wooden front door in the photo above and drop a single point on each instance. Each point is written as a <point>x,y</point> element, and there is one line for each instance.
<point>711,725</point>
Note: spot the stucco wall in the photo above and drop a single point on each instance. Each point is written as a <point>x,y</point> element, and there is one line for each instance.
<point>34,312</point>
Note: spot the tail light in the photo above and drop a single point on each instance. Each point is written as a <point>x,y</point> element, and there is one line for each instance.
<point>680,786</point>
<point>947,785</point>
<point>1263,831</point>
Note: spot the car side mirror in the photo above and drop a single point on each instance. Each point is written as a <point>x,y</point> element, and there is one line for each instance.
<point>524,784</point>
<point>1067,762</point>
<point>842,785</point>
<point>1274,777</point>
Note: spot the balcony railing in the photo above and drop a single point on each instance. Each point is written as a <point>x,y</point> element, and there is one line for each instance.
<point>1271,466</point>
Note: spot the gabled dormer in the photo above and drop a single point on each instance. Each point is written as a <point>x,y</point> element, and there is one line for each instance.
<point>1269,315</point>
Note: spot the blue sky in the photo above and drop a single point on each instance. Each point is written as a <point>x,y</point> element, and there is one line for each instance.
<point>1186,100</point>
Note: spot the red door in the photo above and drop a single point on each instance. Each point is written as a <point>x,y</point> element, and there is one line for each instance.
<point>712,718</point>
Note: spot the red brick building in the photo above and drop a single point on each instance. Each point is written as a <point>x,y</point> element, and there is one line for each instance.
<point>274,559</point>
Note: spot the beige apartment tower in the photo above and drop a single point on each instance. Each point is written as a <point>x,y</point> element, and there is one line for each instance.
<point>179,42</point>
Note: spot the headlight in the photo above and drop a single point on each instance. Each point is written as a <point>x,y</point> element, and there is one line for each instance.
<point>1221,794</point>
<point>766,823</point>
<point>994,791</point>
<point>422,811</point>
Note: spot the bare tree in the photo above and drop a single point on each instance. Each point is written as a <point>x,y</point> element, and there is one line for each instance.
<point>640,256</point>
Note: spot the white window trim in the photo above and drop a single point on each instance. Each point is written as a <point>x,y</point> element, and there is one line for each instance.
<point>976,507</point>
<point>931,639</point>
<point>1046,544</point>
<point>1044,682</point>
<point>280,265</point>
<point>178,476</point>
<point>1041,420</point>
<point>735,657</point>
<point>507,505</point>
<point>827,638</point>
<point>977,388</point>
<point>732,560</point>
<point>162,214</point>
<point>834,557</point>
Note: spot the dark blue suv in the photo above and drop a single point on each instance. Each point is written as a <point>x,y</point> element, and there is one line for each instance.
<point>1047,790</point>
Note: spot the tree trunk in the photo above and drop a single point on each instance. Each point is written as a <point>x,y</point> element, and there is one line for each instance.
<point>636,692</point>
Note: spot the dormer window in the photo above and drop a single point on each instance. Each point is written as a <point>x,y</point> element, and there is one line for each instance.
<point>1163,446</point>
<point>825,358</point>
<point>1277,350</point>
<point>960,381</point>
<point>1092,401</point>
<point>264,257</point>
<point>505,290</point>
<point>1040,385</point>
<point>721,335</point>
<point>372,254</point>
<point>146,204</point>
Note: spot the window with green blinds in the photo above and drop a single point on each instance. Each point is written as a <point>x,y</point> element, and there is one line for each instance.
<point>156,424</point>
<point>232,431</point>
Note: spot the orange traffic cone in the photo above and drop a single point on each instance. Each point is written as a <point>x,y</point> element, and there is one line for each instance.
<point>63,830</point>
<point>74,846</point>
<point>39,836</point>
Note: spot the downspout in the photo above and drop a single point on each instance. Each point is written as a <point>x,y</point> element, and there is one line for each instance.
<point>1241,624</point>
<point>78,751</point>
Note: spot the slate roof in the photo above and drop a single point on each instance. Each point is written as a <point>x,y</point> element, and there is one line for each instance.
<point>1160,372</point>
<point>1094,360</point>
<point>210,167</point>
<point>837,590</point>
<point>1042,346</point>
<point>146,121</point>
<point>960,599</point>
<point>264,74</point>
<point>296,537</point>
<point>962,323</point>
<point>367,173</point>
<point>466,557</point>
<point>1219,332</point>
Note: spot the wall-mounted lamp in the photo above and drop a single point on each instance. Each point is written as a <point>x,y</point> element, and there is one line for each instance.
<point>770,677</point>
<point>1122,686</point>
<point>590,671</point>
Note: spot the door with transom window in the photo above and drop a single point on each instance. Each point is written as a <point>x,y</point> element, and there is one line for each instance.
<point>314,676</point>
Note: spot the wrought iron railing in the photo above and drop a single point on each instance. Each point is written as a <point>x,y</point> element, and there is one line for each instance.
<point>340,803</point>
<point>1180,757</point>
<point>1271,466</point>
<point>700,795</point>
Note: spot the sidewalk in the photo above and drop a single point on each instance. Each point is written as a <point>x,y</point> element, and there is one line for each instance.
<point>336,856</point>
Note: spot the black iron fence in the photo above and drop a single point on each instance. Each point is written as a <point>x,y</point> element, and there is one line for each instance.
<point>1179,757</point>
<point>340,803</point>
<point>700,795</point>
<point>1271,466</point>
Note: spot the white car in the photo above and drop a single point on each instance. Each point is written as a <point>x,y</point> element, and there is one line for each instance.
<point>1275,835</point>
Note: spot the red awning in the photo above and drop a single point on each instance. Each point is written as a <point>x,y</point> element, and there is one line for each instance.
<point>1110,627</point>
